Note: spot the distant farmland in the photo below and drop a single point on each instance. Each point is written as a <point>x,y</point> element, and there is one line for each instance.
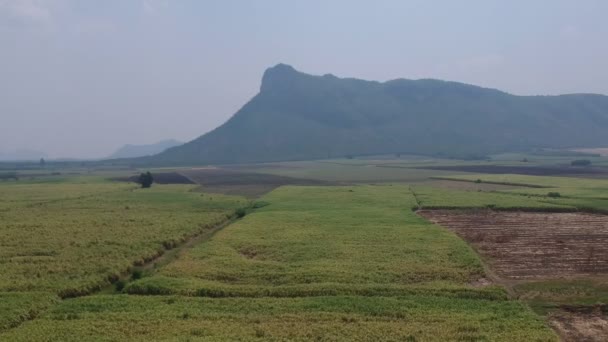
<point>316,250</point>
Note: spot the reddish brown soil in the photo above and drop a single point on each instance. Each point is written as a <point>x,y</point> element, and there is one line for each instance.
<point>529,246</point>
<point>589,325</point>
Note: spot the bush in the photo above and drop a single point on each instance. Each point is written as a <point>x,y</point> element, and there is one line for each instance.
<point>137,274</point>
<point>478,181</point>
<point>240,212</point>
<point>581,162</point>
<point>119,285</point>
<point>554,194</point>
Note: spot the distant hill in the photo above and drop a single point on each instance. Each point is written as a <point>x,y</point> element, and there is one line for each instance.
<point>297,116</point>
<point>132,151</point>
<point>22,155</point>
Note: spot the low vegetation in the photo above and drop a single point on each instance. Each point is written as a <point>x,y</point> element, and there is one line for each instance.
<point>71,239</point>
<point>17,307</point>
<point>325,241</point>
<point>303,262</point>
<point>409,318</point>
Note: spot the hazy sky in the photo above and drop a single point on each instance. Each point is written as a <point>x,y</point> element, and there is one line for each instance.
<point>79,78</point>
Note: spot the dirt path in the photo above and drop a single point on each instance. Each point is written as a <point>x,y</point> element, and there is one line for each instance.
<point>168,255</point>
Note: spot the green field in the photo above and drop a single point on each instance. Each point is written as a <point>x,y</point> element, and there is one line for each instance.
<point>72,238</point>
<point>323,240</point>
<point>341,262</point>
<point>336,318</point>
<point>576,193</point>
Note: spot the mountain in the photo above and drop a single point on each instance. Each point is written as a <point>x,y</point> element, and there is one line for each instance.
<point>22,155</point>
<point>297,116</point>
<point>131,151</point>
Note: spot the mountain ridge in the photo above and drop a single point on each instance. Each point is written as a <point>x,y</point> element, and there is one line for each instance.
<point>297,116</point>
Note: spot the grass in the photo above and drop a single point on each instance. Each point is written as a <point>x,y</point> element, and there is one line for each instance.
<point>414,318</point>
<point>545,181</point>
<point>323,240</point>
<point>73,238</point>
<point>358,171</point>
<point>580,193</point>
<point>545,296</point>
<point>308,263</point>
<point>17,307</point>
<point>438,198</point>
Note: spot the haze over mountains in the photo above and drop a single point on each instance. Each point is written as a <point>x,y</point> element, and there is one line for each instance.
<point>297,116</point>
<point>132,151</point>
<point>22,155</point>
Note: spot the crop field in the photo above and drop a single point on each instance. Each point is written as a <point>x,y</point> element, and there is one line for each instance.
<point>73,238</point>
<point>429,197</point>
<point>522,170</point>
<point>524,245</point>
<point>16,307</point>
<point>335,318</point>
<point>310,263</point>
<point>323,240</point>
<point>313,259</point>
<point>544,249</point>
<point>72,245</point>
<point>347,171</point>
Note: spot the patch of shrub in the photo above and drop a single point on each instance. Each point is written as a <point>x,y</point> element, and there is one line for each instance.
<point>554,194</point>
<point>240,212</point>
<point>119,285</point>
<point>137,274</point>
<point>260,204</point>
<point>581,162</point>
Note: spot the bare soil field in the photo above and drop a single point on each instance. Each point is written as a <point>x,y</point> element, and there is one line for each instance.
<point>249,184</point>
<point>530,246</point>
<point>161,178</point>
<point>523,247</point>
<point>581,324</point>
<point>523,170</point>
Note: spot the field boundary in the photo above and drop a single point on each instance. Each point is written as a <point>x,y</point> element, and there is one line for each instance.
<point>168,253</point>
<point>526,185</point>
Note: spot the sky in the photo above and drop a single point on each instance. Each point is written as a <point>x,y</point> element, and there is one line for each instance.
<point>80,78</point>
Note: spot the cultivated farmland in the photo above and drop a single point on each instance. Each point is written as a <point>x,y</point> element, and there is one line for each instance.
<point>305,262</point>
<point>68,239</point>
<point>324,240</point>
<point>525,245</point>
<point>335,318</point>
<point>310,263</point>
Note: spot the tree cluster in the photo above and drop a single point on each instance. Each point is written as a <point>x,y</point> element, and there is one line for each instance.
<point>145,180</point>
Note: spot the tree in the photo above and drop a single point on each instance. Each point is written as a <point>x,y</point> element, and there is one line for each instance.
<point>42,162</point>
<point>145,180</point>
